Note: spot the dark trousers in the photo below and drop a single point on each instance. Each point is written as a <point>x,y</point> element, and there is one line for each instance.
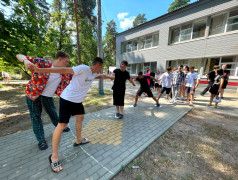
<point>210,83</point>
<point>35,109</point>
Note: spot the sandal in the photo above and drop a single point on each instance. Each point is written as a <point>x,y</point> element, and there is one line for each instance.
<point>84,141</point>
<point>54,164</point>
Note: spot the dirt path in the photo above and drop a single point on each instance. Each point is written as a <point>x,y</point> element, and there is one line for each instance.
<point>201,145</point>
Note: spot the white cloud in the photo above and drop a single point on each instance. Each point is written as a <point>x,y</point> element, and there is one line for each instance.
<point>127,23</point>
<point>121,16</point>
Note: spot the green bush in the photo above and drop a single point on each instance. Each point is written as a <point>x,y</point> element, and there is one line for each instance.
<point>1,85</point>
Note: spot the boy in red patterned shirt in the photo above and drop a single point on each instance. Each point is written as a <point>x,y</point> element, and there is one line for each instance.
<point>41,89</point>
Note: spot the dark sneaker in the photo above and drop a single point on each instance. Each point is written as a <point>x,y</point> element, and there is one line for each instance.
<point>120,116</point>
<point>157,105</point>
<point>134,105</point>
<point>67,129</point>
<point>42,145</point>
<point>117,115</point>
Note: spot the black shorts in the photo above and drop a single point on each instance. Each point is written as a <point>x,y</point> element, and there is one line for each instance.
<point>118,97</point>
<point>157,85</point>
<point>147,91</point>
<point>68,109</point>
<point>190,90</point>
<point>224,84</point>
<point>165,89</point>
<point>214,89</point>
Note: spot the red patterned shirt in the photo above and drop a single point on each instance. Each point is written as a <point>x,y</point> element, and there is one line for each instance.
<point>38,81</point>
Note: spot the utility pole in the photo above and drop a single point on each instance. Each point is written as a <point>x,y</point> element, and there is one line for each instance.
<point>77,27</point>
<point>99,36</point>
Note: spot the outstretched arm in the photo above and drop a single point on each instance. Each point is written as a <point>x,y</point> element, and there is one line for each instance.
<point>54,70</point>
<point>132,82</point>
<point>105,77</point>
<point>29,65</point>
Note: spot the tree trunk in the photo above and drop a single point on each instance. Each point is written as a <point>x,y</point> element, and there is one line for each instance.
<point>77,28</point>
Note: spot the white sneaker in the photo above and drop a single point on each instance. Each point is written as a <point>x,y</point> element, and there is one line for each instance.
<point>190,104</point>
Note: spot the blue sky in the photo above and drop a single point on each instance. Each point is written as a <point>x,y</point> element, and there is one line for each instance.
<point>123,12</point>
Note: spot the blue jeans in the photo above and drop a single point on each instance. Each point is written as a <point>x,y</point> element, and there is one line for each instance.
<point>35,108</point>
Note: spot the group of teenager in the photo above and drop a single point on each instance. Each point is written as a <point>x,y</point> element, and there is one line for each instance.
<point>183,81</point>
<point>72,84</point>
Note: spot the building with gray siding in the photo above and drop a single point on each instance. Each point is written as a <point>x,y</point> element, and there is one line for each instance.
<point>202,34</point>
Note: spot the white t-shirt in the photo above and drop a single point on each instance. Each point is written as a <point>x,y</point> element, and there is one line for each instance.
<point>166,80</point>
<point>52,84</point>
<point>79,85</point>
<point>190,79</point>
<point>157,76</point>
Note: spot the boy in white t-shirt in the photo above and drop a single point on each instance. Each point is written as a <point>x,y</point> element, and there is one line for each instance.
<point>166,81</point>
<point>190,85</point>
<point>71,103</point>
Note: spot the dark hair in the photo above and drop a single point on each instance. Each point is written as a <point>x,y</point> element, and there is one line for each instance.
<point>148,70</point>
<point>97,60</point>
<point>181,66</point>
<point>140,73</point>
<point>220,72</point>
<point>124,62</point>
<point>216,67</point>
<point>168,69</point>
<point>191,67</point>
<point>186,67</point>
<point>61,54</point>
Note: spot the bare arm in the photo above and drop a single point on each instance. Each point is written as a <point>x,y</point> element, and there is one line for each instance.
<point>132,82</point>
<point>54,70</point>
<point>198,80</point>
<point>221,84</point>
<point>195,82</point>
<point>22,58</point>
<point>104,77</point>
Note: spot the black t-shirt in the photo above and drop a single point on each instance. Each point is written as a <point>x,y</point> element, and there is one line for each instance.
<point>143,82</point>
<point>120,79</point>
<point>211,75</point>
<point>226,73</point>
<point>152,74</point>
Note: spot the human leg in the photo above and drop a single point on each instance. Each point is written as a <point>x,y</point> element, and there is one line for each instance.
<point>78,126</point>
<point>209,85</point>
<point>35,109</point>
<point>136,98</point>
<point>49,106</point>
<point>55,143</point>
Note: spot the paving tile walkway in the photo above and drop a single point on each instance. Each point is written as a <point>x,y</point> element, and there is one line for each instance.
<point>114,143</point>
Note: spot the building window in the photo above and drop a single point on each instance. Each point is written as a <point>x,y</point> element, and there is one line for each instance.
<point>174,37</point>
<point>123,47</point>
<point>146,67</point>
<point>128,68</point>
<point>232,23</point>
<point>142,43</point>
<point>148,41</point>
<point>185,33</point>
<point>128,46</point>
<point>155,40</point>
<point>133,69</point>
<point>199,28</point>
<point>218,24</point>
<point>134,45</point>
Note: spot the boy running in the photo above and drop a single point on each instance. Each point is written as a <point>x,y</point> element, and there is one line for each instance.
<point>144,87</point>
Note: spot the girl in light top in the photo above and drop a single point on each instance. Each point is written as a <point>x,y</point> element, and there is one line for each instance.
<point>158,85</point>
